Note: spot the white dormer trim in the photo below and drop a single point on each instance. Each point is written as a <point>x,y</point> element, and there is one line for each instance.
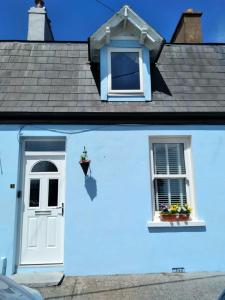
<point>107,35</point>
<point>125,17</point>
<point>143,36</point>
<point>142,31</point>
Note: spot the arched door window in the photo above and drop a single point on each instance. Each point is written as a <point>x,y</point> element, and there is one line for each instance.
<point>44,166</point>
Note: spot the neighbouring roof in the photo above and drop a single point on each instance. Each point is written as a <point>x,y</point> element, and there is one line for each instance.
<point>58,78</point>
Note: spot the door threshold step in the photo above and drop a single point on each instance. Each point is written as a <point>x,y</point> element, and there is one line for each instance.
<point>39,279</point>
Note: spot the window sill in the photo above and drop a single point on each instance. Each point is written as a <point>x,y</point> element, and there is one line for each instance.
<point>120,94</point>
<point>194,223</point>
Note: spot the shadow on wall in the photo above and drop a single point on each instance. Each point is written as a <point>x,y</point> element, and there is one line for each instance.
<point>91,187</point>
<point>1,168</point>
<point>177,229</point>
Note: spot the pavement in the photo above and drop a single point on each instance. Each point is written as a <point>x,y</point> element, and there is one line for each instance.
<point>38,279</point>
<point>164,286</point>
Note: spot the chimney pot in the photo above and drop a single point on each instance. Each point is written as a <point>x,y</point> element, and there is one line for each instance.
<point>189,10</point>
<point>39,3</point>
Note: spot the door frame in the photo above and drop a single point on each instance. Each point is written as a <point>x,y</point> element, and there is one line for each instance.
<point>20,195</point>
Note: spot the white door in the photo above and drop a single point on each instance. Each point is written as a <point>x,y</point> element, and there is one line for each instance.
<point>43,220</point>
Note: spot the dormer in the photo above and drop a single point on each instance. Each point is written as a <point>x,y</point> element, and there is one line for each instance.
<point>124,47</point>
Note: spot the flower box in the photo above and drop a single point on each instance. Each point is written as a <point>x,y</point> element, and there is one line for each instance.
<point>174,217</point>
<point>175,213</point>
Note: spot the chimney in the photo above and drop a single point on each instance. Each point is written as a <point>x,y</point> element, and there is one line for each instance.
<point>39,27</point>
<point>188,29</point>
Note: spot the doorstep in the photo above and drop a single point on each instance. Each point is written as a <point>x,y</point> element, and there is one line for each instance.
<point>38,279</point>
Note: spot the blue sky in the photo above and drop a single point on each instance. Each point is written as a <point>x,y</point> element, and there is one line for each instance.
<point>78,19</point>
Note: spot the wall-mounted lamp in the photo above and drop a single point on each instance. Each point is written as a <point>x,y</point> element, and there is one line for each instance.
<point>84,162</point>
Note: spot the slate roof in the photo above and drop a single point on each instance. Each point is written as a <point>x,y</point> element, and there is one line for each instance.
<point>58,78</point>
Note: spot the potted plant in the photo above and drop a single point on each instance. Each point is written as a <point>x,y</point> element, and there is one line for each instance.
<point>175,212</point>
<point>84,161</point>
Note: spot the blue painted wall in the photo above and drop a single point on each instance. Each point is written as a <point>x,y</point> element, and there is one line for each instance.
<point>104,71</point>
<point>106,215</point>
<point>9,160</point>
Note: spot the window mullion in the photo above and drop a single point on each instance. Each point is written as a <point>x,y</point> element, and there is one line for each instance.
<point>169,191</point>
<point>178,159</point>
<point>171,176</point>
<point>168,172</point>
<point>156,195</point>
<point>181,193</point>
<point>167,160</point>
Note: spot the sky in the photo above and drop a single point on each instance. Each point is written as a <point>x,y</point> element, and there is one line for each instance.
<point>76,20</point>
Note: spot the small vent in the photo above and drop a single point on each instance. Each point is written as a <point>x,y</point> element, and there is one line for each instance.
<point>178,270</point>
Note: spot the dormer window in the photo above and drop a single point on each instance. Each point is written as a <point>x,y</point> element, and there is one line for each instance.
<point>125,71</point>
<point>125,46</point>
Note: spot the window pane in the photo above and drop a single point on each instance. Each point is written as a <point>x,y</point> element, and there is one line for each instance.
<point>45,146</point>
<point>125,71</point>
<point>34,192</point>
<point>176,159</point>
<point>169,158</point>
<point>44,166</point>
<point>170,191</point>
<point>182,160</point>
<point>160,163</point>
<point>173,159</point>
<point>161,193</point>
<point>178,191</point>
<point>53,192</point>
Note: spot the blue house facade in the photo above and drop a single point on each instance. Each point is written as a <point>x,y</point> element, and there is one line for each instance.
<point>151,118</point>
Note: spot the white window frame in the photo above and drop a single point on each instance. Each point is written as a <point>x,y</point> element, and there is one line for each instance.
<point>186,141</point>
<point>125,92</point>
<point>42,153</point>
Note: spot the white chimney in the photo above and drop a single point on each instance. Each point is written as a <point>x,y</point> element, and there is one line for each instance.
<point>39,27</point>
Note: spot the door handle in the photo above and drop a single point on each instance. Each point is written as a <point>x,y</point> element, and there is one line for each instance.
<point>62,208</point>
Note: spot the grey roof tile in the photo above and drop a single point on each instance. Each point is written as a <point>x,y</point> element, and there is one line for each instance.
<point>39,103</point>
<point>54,97</point>
<point>50,74</point>
<point>43,81</point>
<point>65,74</point>
<point>43,53</point>
<point>41,97</point>
<point>54,60</point>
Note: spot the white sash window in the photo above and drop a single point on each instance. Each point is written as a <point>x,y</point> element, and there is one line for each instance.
<point>171,171</point>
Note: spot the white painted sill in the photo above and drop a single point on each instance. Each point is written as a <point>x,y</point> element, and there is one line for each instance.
<point>177,224</point>
<point>125,94</point>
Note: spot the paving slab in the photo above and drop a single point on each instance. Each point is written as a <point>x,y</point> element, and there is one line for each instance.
<point>166,286</point>
<point>37,279</point>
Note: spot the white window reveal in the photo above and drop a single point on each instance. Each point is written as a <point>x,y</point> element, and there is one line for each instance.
<point>171,173</point>
<point>125,71</point>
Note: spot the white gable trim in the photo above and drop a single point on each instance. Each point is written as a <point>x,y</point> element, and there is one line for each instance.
<point>143,32</point>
